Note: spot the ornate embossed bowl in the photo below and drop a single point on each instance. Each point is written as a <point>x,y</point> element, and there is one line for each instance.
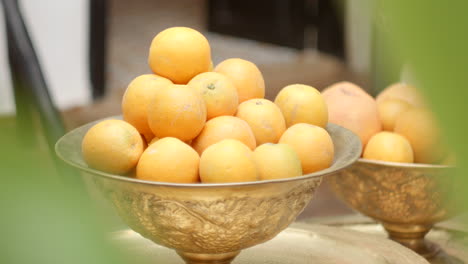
<point>407,198</point>
<point>209,223</point>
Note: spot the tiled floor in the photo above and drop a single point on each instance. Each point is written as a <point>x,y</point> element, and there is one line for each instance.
<point>133,24</point>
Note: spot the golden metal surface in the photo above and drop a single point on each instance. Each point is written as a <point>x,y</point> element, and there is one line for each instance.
<point>195,258</point>
<point>209,220</point>
<point>298,244</point>
<point>408,199</point>
<point>204,222</point>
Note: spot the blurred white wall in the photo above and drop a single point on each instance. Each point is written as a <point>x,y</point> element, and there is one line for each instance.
<point>6,94</point>
<point>59,31</point>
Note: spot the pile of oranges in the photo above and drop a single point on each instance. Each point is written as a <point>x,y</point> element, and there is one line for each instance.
<point>395,126</point>
<point>190,122</point>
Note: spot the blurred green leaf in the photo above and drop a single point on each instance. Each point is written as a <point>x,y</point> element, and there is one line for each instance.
<point>43,218</point>
<point>429,38</point>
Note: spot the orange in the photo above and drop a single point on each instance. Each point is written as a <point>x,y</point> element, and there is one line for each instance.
<point>265,119</point>
<point>277,161</point>
<point>169,160</point>
<point>389,146</point>
<point>422,131</point>
<point>228,160</point>
<point>113,146</point>
<point>302,104</point>
<point>218,91</point>
<point>211,68</point>
<point>224,127</point>
<point>246,77</point>
<point>351,107</point>
<point>403,92</point>
<point>188,142</point>
<point>145,143</point>
<point>177,111</point>
<point>179,54</point>
<point>136,99</point>
<point>390,110</point>
<point>153,140</point>
<point>148,137</point>
<point>312,144</point>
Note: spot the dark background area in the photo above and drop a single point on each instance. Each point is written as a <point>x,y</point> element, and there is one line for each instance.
<point>280,22</point>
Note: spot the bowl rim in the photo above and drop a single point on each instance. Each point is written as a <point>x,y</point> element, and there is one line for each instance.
<point>404,165</point>
<point>124,178</point>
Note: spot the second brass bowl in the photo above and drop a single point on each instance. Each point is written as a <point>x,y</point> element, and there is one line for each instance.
<point>209,223</point>
<point>407,198</point>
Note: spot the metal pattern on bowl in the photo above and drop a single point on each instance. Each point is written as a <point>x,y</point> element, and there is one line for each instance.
<point>406,198</point>
<point>209,221</point>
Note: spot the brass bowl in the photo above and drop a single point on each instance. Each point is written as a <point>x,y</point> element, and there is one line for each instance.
<point>209,223</point>
<point>407,198</point>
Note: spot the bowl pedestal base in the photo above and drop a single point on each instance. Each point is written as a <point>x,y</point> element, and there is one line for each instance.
<point>412,236</point>
<point>199,258</point>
